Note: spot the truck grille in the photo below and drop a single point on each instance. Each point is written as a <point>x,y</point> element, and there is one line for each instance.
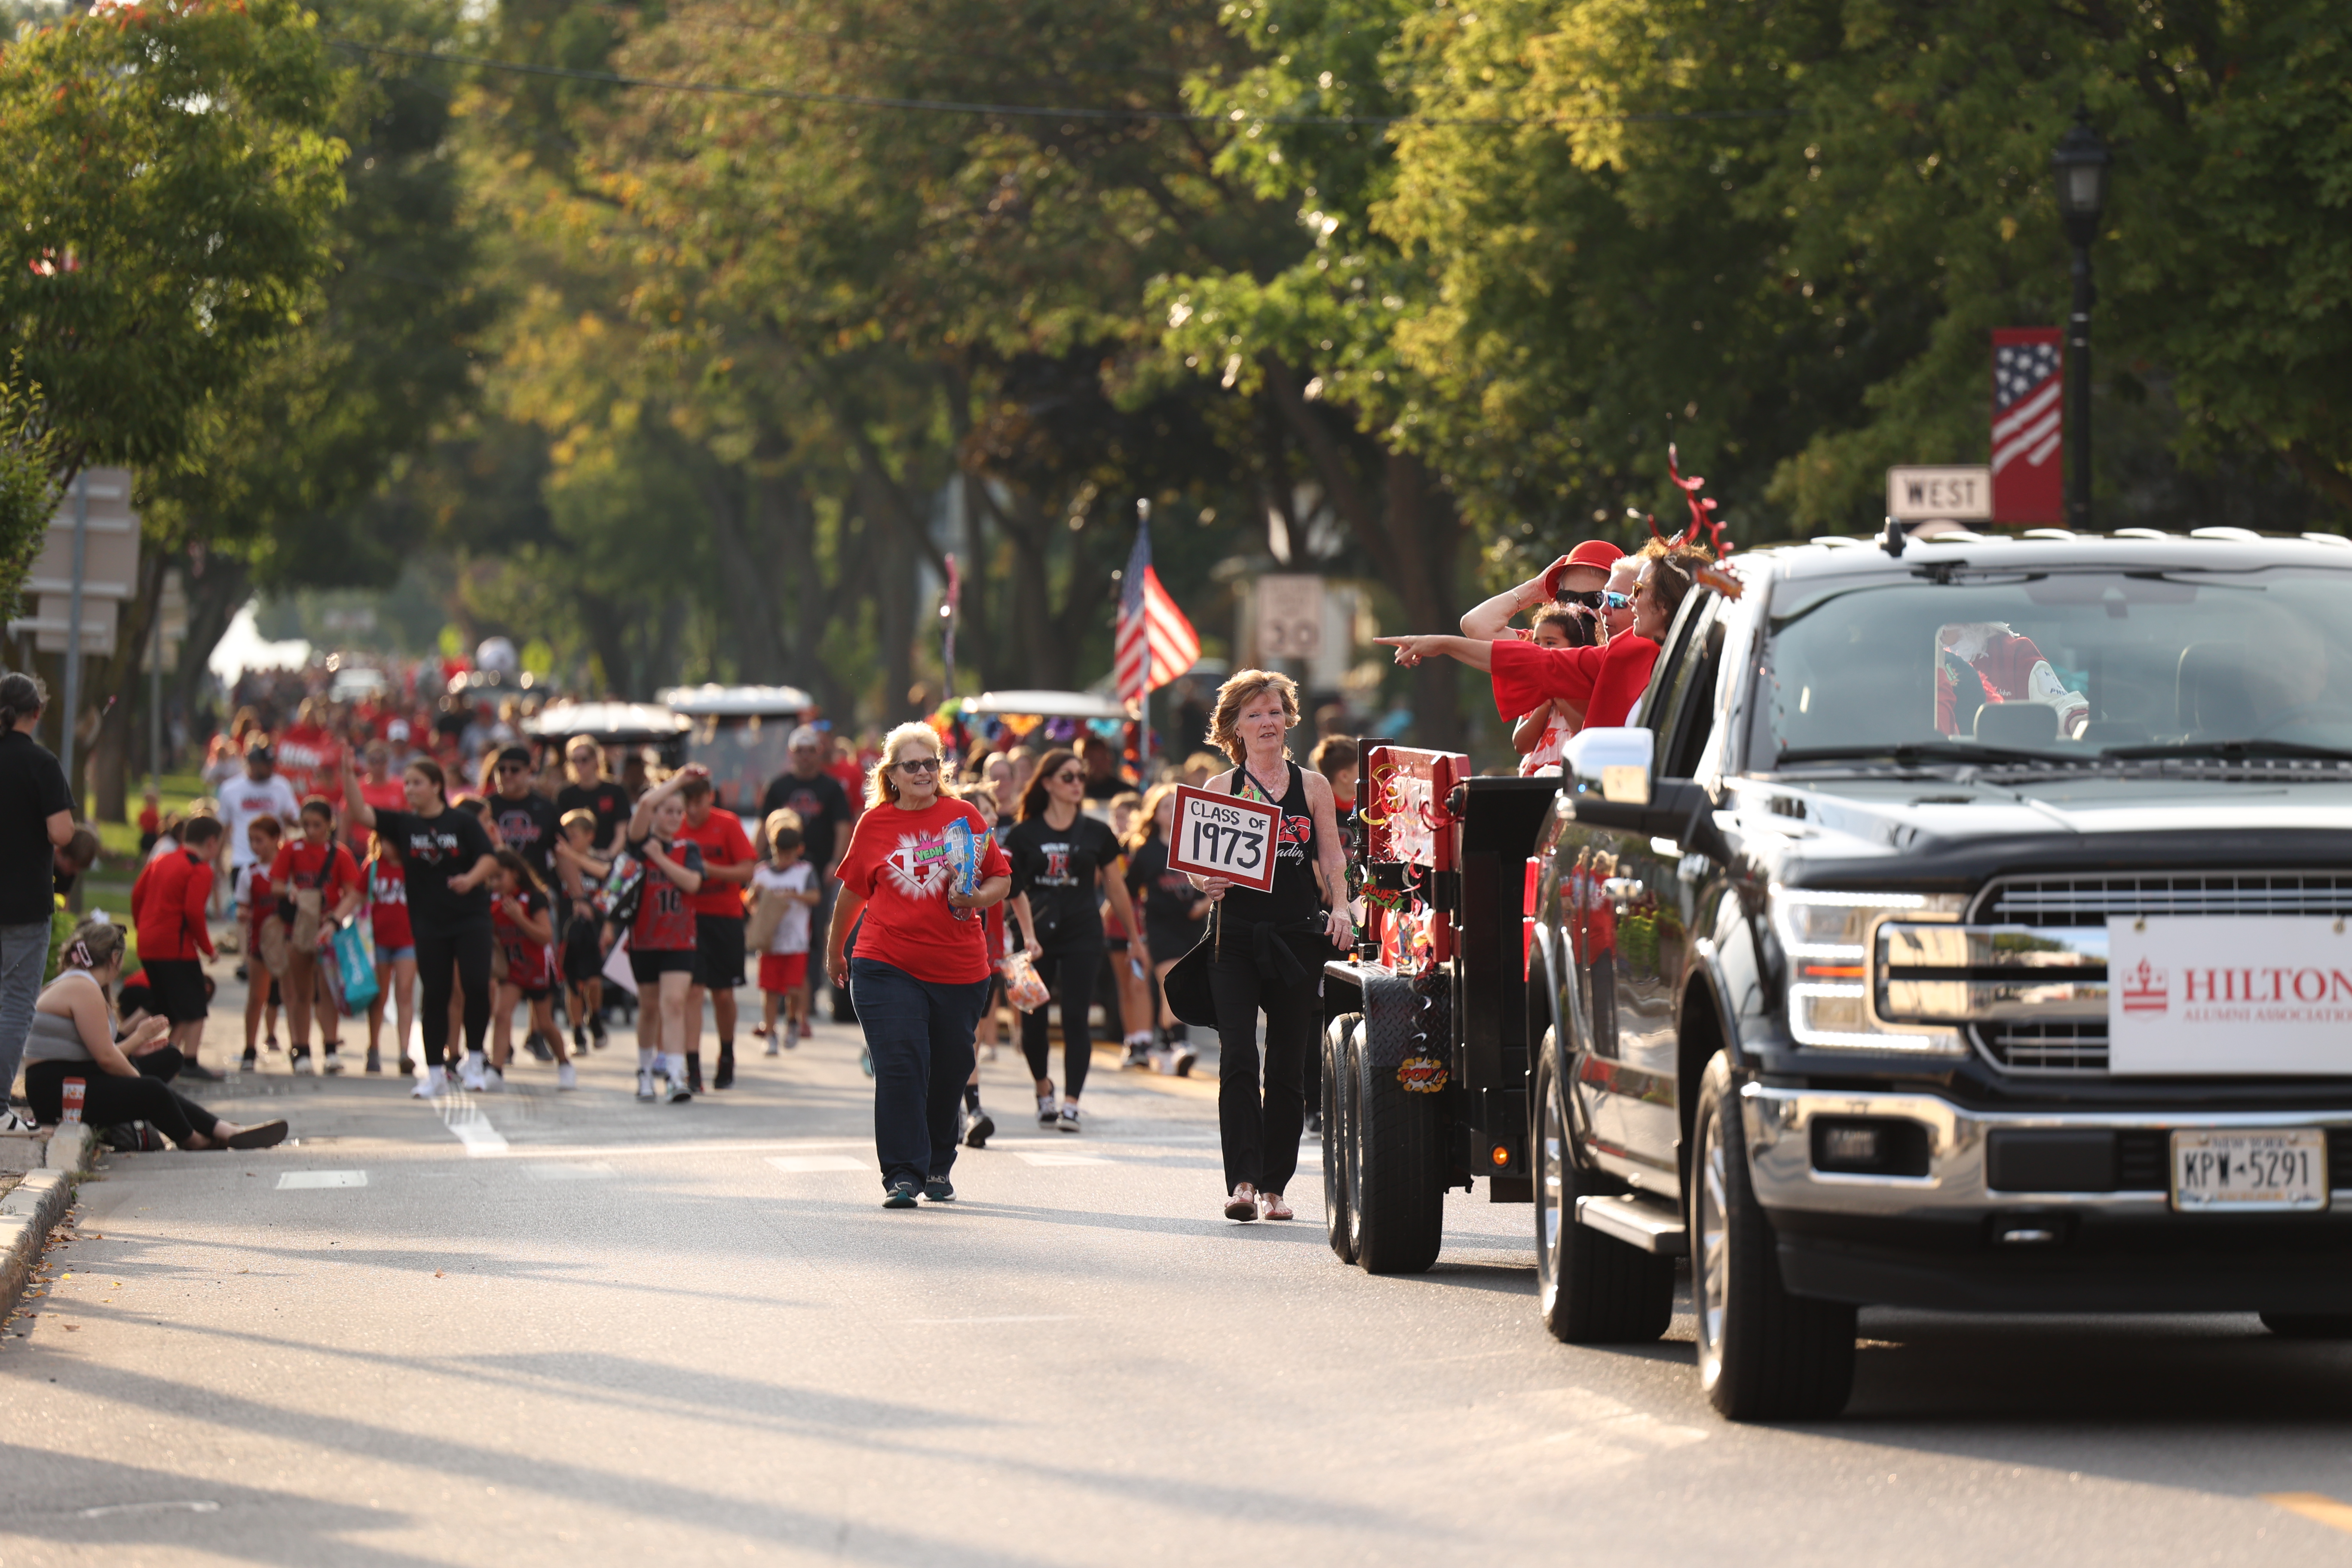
<point>2081,1045</point>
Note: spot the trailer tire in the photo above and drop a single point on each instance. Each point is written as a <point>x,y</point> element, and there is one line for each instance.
<point>1592,1289</point>
<point>1337,1210</point>
<point>1763,1353</point>
<point>1396,1167</point>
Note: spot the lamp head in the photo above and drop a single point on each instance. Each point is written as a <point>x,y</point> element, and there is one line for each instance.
<point>2081,163</point>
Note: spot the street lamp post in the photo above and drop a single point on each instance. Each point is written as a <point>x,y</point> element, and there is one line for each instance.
<point>2081,162</point>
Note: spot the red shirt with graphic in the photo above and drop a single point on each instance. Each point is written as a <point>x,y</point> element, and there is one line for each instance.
<point>665,921</point>
<point>387,886</point>
<point>898,861</point>
<point>302,864</point>
<point>309,758</point>
<point>528,964</point>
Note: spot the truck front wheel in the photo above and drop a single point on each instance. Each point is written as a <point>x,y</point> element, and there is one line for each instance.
<point>1763,1354</point>
<point>1594,1289</point>
<point>1338,1135</point>
<point>1396,1167</point>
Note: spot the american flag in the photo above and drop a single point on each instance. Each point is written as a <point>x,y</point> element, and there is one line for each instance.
<point>2025,414</point>
<point>1155,644</point>
<point>2029,425</point>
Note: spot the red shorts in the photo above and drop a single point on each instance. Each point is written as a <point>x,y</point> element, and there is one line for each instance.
<point>783,971</point>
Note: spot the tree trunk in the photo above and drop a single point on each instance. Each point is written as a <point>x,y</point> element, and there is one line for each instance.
<point>219,587</point>
<point>116,676</point>
<point>751,605</point>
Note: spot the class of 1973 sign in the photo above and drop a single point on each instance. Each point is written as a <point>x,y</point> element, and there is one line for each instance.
<point>1224,836</point>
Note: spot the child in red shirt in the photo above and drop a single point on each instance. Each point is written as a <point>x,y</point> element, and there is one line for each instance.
<point>524,929</point>
<point>257,902</point>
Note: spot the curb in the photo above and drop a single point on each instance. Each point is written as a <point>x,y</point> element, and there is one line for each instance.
<point>30,1212</point>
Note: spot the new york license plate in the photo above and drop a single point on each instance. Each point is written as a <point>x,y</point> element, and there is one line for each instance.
<point>2281,1169</point>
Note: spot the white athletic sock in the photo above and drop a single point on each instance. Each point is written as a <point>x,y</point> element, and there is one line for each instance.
<point>1140,1037</point>
<point>646,1058</point>
<point>672,1065</point>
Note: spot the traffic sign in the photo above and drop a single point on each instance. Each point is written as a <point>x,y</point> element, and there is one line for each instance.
<point>1224,836</point>
<point>1960,494</point>
<point>1289,616</point>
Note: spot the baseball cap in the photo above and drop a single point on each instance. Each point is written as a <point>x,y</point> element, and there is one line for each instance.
<point>806,735</point>
<point>396,731</point>
<point>259,752</point>
<point>1597,553</point>
<point>514,754</point>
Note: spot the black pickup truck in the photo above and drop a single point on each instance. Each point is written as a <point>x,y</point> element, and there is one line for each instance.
<point>1961,923</point>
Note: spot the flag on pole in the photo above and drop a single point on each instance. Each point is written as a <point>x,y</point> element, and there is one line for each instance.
<point>2028,425</point>
<point>1155,644</point>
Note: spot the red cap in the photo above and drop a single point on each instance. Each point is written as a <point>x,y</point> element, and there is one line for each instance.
<point>1597,553</point>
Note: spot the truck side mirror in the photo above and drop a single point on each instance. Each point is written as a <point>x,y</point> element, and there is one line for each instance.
<point>1613,763</point>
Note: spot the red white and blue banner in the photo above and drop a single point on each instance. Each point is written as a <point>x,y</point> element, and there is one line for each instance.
<point>2029,425</point>
<point>1155,644</point>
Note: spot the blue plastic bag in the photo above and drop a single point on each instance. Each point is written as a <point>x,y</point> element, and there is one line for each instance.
<point>354,949</point>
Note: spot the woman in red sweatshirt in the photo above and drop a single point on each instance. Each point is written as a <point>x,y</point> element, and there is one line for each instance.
<point>1605,681</point>
<point>168,903</point>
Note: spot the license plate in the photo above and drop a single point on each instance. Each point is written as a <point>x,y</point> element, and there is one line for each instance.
<point>2286,1169</point>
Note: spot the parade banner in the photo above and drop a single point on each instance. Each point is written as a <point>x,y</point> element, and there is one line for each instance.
<point>1224,836</point>
<point>2028,429</point>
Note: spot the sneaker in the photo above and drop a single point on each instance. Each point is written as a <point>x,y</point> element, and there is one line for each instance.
<point>375,1060</point>
<point>1182,1064</point>
<point>408,1067</point>
<point>1163,1061</point>
<point>773,1048</point>
<point>579,1038</point>
<point>596,1030</point>
<point>469,1076</point>
<point>1138,1056</point>
<point>249,1062</point>
<point>901,1195</point>
<point>301,1061</point>
<point>988,1053</point>
<point>12,1123</point>
<point>1315,1124</point>
<point>978,1129</point>
<point>644,1083</point>
<point>723,1075</point>
<point>539,1048</point>
<point>694,1074</point>
<point>1068,1120</point>
<point>432,1085</point>
<point>938,1190</point>
<point>494,1081</point>
<point>1243,1204</point>
<point>1049,1110</point>
<point>333,1062</point>
<point>202,1073</point>
<point>865,1060</point>
<point>567,1076</point>
<point>808,1029</point>
<point>272,1041</point>
<point>678,1093</point>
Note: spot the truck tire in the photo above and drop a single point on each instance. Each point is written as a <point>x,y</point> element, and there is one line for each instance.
<point>1763,1353</point>
<point>1338,1223</point>
<point>2309,1325</point>
<point>1396,1167</point>
<point>1593,1290</point>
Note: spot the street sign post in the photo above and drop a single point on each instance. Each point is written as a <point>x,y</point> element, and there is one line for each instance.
<point>1958,494</point>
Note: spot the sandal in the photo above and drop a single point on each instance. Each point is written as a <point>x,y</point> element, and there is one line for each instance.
<point>1274,1208</point>
<point>1242,1204</point>
<point>262,1135</point>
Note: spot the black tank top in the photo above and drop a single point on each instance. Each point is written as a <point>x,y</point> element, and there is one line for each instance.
<point>1296,896</point>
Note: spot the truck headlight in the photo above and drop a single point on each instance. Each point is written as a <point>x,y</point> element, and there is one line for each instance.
<point>1826,936</point>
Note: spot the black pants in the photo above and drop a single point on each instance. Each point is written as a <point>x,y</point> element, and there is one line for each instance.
<point>108,1101</point>
<point>1070,973</point>
<point>467,952</point>
<point>1261,1133</point>
<point>920,1033</point>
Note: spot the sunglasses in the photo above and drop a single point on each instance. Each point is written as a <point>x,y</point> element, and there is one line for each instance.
<point>919,765</point>
<point>1589,597</point>
<point>1068,776</point>
<point>1611,599</point>
<point>510,768</point>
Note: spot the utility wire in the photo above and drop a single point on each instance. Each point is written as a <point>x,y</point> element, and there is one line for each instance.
<point>1041,111</point>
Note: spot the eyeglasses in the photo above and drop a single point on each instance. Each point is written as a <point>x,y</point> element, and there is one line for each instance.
<point>918,765</point>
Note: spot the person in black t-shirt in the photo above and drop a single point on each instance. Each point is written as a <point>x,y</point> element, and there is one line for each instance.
<point>37,820</point>
<point>447,857</point>
<point>1104,781</point>
<point>815,796</point>
<point>1063,861</point>
<point>1175,917</point>
<point>528,821</point>
<point>590,790</point>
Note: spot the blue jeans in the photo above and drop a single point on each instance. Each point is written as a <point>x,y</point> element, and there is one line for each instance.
<point>23,959</point>
<point>920,1033</point>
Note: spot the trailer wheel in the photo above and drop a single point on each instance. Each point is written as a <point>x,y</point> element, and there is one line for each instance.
<point>1593,1288</point>
<point>1396,1167</point>
<point>1338,1206</point>
<point>1763,1353</point>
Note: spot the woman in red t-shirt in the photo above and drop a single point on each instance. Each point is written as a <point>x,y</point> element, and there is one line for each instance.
<point>920,974</point>
<point>313,875</point>
<point>1606,681</point>
<point>395,949</point>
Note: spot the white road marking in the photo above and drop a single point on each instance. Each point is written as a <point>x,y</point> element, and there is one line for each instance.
<point>1062,1159</point>
<point>613,1150</point>
<point>287,1179</point>
<point>474,1131</point>
<point>564,1171</point>
<point>799,1164</point>
<point>1036,1318</point>
<point>113,1509</point>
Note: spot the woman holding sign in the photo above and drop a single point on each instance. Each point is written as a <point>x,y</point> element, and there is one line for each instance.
<point>1063,862</point>
<point>918,866</point>
<point>1270,946</point>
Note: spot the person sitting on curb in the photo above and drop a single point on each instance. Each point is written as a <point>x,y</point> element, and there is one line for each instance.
<point>73,1037</point>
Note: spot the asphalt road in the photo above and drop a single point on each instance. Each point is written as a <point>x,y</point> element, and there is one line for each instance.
<point>567,1329</point>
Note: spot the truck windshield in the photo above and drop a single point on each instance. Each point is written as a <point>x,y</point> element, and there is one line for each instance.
<point>2059,665</point>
